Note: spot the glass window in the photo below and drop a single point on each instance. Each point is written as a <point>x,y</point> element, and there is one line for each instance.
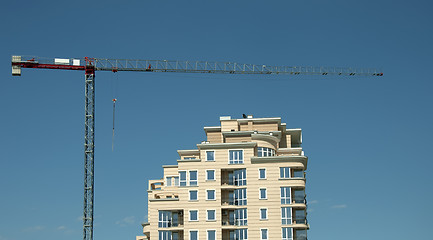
<point>285,195</point>
<point>168,181</point>
<point>263,213</point>
<point>299,195</point>
<point>211,234</point>
<point>210,215</point>
<point>239,178</point>
<point>241,217</point>
<point>301,234</point>
<point>193,178</point>
<point>182,175</point>
<point>298,173</point>
<point>193,195</point>
<point>236,156</point>
<point>300,216</point>
<point>284,172</point>
<point>265,152</point>
<point>210,174</point>
<point>264,234</point>
<point>238,234</point>
<point>262,173</point>
<point>193,215</point>
<point>210,195</point>
<point>165,235</point>
<point>286,215</point>
<point>189,158</point>
<point>193,235</point>
<point>263,193</point>
<point>164,220</point>
<point>287,233</point>
<point>176,181</point>
<point>210,155</point>
<point>240,197</point>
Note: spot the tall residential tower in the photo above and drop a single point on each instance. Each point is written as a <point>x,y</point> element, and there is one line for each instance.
<point>246,181</point>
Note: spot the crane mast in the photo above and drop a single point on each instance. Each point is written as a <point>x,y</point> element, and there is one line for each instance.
<point>90,65</point>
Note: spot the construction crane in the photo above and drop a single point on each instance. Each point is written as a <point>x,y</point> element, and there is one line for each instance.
<point>91,65</point>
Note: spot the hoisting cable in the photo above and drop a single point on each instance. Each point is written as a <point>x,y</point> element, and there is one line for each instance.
<point>113,89</point>
<point>114,110</point>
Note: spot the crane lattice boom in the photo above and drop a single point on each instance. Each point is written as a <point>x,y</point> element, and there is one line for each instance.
<point>104,64</point>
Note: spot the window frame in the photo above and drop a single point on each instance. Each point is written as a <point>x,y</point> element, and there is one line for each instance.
<point>194,230</point>
<point>189,217</point>
<point>286,199</point>
<point>266,175</point>
<point>189,195</point>
<point>207,233</point>
<point>207,195</point>
<point>260,193</point>
<point>286,211</point>
<point>183,181</point>
<point>287,237</point>
<point>214,175</point>
<point>235,161</point>
<point>284,173</point>
<point>261,234</point>
<point>207,159</point>
<point>168,183</point>
<point>189,177</point>
<point>266,214</point>
<point>207,215</point>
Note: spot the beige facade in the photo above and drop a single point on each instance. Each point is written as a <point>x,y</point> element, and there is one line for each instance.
<point>247,181</point>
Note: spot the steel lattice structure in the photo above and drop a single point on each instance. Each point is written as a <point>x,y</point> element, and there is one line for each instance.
<point>90,65</point>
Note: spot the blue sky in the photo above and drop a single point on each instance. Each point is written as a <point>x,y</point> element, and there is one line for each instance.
<point>367,139</point>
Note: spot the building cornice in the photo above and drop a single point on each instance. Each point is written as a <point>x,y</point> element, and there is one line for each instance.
<point>189,160</point>
<point>300,159</point>
<point>267,138</point>
<point>170,166</point>
<point>226,145</point>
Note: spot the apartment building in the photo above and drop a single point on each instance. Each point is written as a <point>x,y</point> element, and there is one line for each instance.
<point>246,181</point>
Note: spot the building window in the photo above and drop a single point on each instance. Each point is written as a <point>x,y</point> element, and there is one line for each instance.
<point>176,181</point>
<point>210,175</point>
<point>164,235</point>
<point>193,195</point>
<point>236,156</point>
<point>193,215</point>
<point>301,234</point>
<point>299,195</point>
<point>239,234</point>
<point>263,213</point>
<point>182,175</point>
<point>263,194</point>
<point>193,181</point>
<point>210,215</point>
<point>193,234</point>
<point>189,158</point>
<point>285,195</point>
<point>210,195</point>
<point>263,234</point>
<point>287,233</point>
<point>265,152</point>
<point>300,216</point>
<point>286,215</point>
<point>240,197</point>
<point>211,234</point>
<point>262,173</point>
<point>241,217</point>
<point>238,178</point>
<point>164,220</point>
<point>284,172</point>
<point>168,181</point>
<point>210,155</point>
<point>298,173</point>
